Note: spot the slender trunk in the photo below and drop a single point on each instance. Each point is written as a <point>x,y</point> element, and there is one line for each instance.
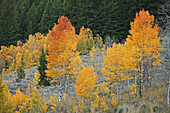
<point>135,86</point>
<point>141,80</point>
<point>140,88</point>
<point>168,91</point>
<point>148,79</point>
<point>120,91</point>
<point>117,92</point>
<point>65,94</point>
<point>128,85</point>
<point>60,94</point>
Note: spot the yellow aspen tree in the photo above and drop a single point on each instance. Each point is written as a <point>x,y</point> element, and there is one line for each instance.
<point>32,49</point>
<point>85,40</point>
<point>6,105</point>
<point>86,82</point>
<point>43,107</point>
<point>144,37</point>
<point>15,57</point>
<point>18,99</point>
<point>33,102</point>
<point>114,69</point>
<point>130,61</point>
<point>98,42</point>
<point>5,56</point>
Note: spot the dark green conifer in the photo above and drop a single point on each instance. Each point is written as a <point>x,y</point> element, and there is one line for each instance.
<point>41,68</point>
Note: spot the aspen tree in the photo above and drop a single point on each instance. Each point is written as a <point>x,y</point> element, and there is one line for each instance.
<point>5,98</point>
<point>144,37</point>
<point>63,59</point>
<point>85,40</point>
<point>113,69</point>
<point>86,82</point>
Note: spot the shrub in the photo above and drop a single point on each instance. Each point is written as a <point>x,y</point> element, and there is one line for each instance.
<point>21,73</point>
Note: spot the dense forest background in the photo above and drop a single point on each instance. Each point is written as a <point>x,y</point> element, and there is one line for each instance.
<point>20,18</point>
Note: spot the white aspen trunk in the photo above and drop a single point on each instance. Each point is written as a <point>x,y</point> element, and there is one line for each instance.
<point>168,92</point>
<point>120,91</point>
<point>117,92</point>
<point>60,94</point>
<point>149,75</point>
<point>135,86</point>
<point>128,84</point>
<point>141,80</point>
<point>65,94</point>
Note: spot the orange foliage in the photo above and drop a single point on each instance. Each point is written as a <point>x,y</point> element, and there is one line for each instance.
<point>144,36</point>
<point>63,58</point>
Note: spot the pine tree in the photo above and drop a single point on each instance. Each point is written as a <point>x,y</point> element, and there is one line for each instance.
<point>40,10</point>
<point>49,17</point>
<point>41,68</point>
<point>31,20</point>
<point>22,7</point>
<point>8,23</point>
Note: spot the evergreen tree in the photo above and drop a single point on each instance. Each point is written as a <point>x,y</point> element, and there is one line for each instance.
<point>42,68</point>
<point>40,10</point>
<point>49,17</point>
<point>22,7</point>
<point>31,20</point>
<point>8,23</point>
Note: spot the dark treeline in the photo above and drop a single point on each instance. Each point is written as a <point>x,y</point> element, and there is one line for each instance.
<point>19,18</point>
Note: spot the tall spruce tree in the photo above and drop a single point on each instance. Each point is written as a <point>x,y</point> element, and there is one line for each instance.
<point>31,20</point>
<point>22,7</point>
<point>49,17</point>
<point>8,23</point>
<point>40,10</point>
<point>41,68</point>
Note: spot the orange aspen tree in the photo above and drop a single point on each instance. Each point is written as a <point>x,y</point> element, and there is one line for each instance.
<point>63,59</point>
<point>144,37</point>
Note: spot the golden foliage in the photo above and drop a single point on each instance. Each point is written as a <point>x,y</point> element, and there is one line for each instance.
<point>5,98</point>
<point>25,55</point>
<point>85,40</point>
<point>86,82</point>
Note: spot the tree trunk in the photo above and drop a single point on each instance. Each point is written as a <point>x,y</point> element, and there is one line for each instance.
<point>128,85</point>
<point>65,94</point>
<point>168,91</point>
<point>60,94</point>
<point>117,92</point>
<point>135,86</point>
<point>141,88</point>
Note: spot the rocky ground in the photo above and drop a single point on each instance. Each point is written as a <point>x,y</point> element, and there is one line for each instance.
<point>15,83</point>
